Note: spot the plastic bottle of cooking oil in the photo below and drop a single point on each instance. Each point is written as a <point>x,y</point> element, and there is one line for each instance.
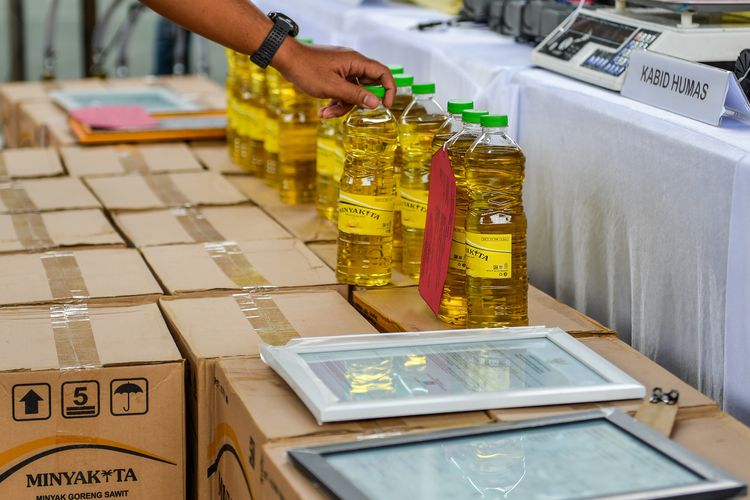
<point>452,125</point>
<point>497,285</point>
<point>232,137</point>
<point>367,196</point>
<point>329,165</point>
<point>278,89</point>
<point>453,301</point>
<point>417,127</point>
<point>242,100</point>
<point>256,119</point>
<point>401,101</point>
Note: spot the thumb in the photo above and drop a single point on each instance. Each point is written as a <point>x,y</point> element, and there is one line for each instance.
<point>354,94</point>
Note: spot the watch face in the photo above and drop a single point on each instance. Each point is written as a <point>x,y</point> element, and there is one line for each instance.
<point>278,16</point>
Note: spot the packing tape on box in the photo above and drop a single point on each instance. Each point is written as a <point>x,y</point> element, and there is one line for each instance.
<point>31,231</point>
<point>196,225</point>
<point>166,190</point>
<point>74,338</point>
<point>231,259</point>
<point>64,276</point>
<point>131,161</point>
<point>15,199</point>
<point>266,318</point>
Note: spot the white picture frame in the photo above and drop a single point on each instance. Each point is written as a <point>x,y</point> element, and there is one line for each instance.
<point>312,368</point>
<point>154,99</point>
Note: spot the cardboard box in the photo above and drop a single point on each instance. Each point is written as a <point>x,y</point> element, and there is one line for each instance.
<point>54,193</point>
<point>327,253</point>
<point>215,156</point>
<point>254,406</point>
<point>221,268</point>
<point>35,120</point>
<point>209,329</point>
<point>93,404</point>
<point>302,221</point>
<point>30,162</point>
<point>11,96</point>
<point>403,310</point>
<point>122,159</point>
<point>634,364</point>
<point>48,230</point>
<point>199,225</point>
<point>139,192</point>
<point>116,275</point>
<point>718,438</point>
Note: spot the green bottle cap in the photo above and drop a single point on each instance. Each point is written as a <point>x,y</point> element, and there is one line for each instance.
<point>456,107</point>
<point>378,90</point>
<point>423,88</point>
<point>396,69</point>
<point>306,41</point>
<point>494,121</point>
<point>404,80</point>
<point>473,115</point>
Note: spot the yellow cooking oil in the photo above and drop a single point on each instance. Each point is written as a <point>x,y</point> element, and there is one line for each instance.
<point>329,161</point>
<point>452,125</point>
<point>453,300</point>
<point>232,137</point>
<point>298,131</point>
<point>242,100</point>
<point>417,127</point>
<point>278,90</point>
<point>496,278</point>
<point>401,101</point>
<point>367,196</point>
<point>368,377</point>
<point>256,120</point>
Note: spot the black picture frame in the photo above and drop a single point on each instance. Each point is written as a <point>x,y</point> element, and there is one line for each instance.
<point>312,462</point>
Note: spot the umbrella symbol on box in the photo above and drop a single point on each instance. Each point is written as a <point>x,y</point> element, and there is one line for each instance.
<point>128,389</point>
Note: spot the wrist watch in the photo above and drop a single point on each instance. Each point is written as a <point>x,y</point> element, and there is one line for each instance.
<point>283,26</point>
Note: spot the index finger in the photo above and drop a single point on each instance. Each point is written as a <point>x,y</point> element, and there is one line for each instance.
<point>375,72</point>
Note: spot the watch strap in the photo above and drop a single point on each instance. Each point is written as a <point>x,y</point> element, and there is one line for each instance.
<point>271,44</point>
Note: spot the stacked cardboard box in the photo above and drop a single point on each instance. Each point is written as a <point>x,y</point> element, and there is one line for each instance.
<point>198,225</point>
<point>122,159</point>
<point>214,328</point>
<point>300,220</point>
<point>226,267</point>
<point>94,407</point>
<point>254,407</point>
<point>95,276</point>
<point>214,156</point>
<point>30,163</point>
<point>39,195</point>
<point>149,192</point>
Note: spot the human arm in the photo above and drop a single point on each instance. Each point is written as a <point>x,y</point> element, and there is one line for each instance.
<point>323,72</point>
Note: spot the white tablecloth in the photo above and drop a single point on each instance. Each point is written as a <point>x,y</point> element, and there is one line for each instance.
<point>637,217</point>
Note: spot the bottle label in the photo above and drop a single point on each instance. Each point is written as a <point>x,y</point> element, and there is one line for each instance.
<point>414,207</point>
<point>326,158</point>
<point>272,136</point>
<point>366,215</point>
<point>458,250</point>
<point>256,123</point>
<point>488,255</point>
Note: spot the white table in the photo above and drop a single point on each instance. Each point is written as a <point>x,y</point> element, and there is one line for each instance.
<point>637,217</point>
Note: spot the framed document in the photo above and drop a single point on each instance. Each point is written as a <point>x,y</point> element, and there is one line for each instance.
<point>152,99</point>
<point>390,375</point>
<point>596,454</point>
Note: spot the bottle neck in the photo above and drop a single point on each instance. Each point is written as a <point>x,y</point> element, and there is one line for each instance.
<point>423,97</point>
<point>403,91</point>
<point>495,130</point>
<point>472,127</point>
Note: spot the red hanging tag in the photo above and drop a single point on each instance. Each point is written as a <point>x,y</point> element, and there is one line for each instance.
<point>441,215</point>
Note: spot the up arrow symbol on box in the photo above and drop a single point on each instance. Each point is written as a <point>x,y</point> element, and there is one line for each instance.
<point>31,401</point>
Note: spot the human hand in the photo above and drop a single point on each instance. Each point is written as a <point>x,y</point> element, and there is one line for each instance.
<point>335,73</point>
